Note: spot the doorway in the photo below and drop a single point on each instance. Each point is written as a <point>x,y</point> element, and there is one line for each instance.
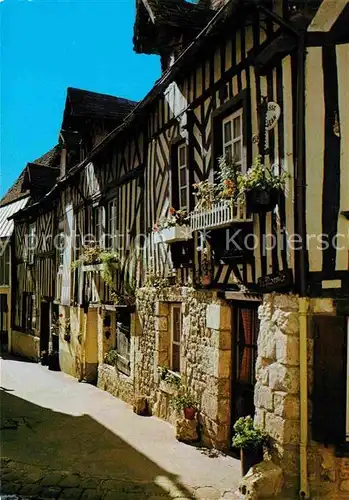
<point>44,326</point>
<point>245,334</point>
<point>3,321</point>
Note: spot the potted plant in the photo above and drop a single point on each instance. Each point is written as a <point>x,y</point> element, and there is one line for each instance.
<point>184,401</point>
<point>206,194</point>
<point>44,358</point>
<point>172,228</point>
<point>261,186</point>
<point>251,442</point>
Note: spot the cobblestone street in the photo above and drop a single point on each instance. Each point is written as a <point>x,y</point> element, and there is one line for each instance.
<point>62,439</point>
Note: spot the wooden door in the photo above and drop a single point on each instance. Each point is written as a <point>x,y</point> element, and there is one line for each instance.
<point>44,326</point>
<point>245,333</point>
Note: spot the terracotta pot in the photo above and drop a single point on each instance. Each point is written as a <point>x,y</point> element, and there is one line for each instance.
<point>250,457</point>
<point>189,413</point>
<point>206,279</point>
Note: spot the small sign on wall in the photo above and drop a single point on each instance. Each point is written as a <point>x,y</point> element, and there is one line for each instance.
<point>273,115</point>
<point>273,282</point>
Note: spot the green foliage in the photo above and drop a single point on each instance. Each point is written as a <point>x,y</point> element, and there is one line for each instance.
<point>111,357</point>
<point>260,177</point>
<point>247,435</point>
<point>205,192</point>
<point>174,218</point>
<point>183,400</point>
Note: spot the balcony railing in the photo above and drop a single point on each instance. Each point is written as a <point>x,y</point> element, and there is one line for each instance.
<point>220,215</point>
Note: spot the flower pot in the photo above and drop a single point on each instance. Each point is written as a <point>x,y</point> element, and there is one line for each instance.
<point>206,279</point>
<point>53,361</point>
<point>261,200</point>
<point>173,234</point>
<point>189,413</point>
<point>249,458</point>
<point>44,358</point>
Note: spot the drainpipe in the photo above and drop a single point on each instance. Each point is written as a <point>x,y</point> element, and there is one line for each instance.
<point>301,228</point>
<point>303,300</point>
<point>303,396</point>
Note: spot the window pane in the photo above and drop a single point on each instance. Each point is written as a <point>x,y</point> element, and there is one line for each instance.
<point>183,198</point>
<point>227,152</point>
<point>176,325</point>
<point>183,176</point>
<point>227,131</point>
<point>237,150</point>
<point>237,126</point>
<point>175,358</point>
<point>182,156</point>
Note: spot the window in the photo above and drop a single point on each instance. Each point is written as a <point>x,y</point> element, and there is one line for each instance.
<point>180,181</point>
<point>99,225</point>
<point>27,311</point>
<point>112,225</point>
<point>183,181</point>
<point>5,266</point>
<point>31,243</point>
<point>232,135</point>
<point>176,329</point>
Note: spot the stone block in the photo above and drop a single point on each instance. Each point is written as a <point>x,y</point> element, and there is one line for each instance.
<point>287,349</point>
<point>283,431</point>
<point>286,302</point>
<point>310,352</point>
<point>262,372</point>
<point>344,468</point>
<point>286,321</point>
<point>263,397</point>
<point>218,317</point>
<point>224,364</point>
<point>259,418</point>
<point>284,378</point>
<point>266,341</point>
<point>344,485</point>
<point>264,480</point>
<point>161,308</point>
<point>186,430</point>
<point>322,306</point>
<point>161,323</point>
<point>286,406</point>
<point>265,310</point>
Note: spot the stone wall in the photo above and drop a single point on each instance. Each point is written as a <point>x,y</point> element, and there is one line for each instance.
<point>277,397</point>
<point>205,355</point>
<point>116,383</point>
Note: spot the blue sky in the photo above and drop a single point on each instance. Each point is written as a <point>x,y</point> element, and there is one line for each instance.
<point>49,45</point>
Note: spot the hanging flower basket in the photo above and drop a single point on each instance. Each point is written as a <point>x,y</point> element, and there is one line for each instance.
<point>259,200</point>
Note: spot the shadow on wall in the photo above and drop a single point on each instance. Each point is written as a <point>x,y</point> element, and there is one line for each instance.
<point>53,441</point>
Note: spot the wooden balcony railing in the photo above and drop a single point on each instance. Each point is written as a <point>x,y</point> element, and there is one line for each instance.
<point>220,215</point>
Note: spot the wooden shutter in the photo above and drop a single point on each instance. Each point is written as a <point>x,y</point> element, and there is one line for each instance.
<point>329,391</point>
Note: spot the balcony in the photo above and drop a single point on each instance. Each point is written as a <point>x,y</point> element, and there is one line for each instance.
<point>221,215</point>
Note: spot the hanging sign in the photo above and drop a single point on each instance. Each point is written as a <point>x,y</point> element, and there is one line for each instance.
<point>273,115</point>
<point>271,282</point>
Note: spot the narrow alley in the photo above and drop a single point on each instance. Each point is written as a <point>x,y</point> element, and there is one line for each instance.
<point>62,439</point>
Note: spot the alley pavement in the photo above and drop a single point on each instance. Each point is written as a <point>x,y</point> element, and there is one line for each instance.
<point>67,440</point>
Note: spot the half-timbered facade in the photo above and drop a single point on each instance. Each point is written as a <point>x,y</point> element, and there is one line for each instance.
<point>236,304</point>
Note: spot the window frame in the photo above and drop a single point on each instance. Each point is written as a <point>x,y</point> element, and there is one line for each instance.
<point>239,113</point>
<point>98,216</point>
<point>240,101</point>
<point>183,167</point>
<point>177,144</point>
<point>172,341</point>
<point>112,225</point>
<point>31,235</point>
<point>5,267</point>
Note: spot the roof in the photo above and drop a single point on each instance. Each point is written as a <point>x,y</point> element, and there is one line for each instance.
<point>40,177</point>
<point>6,226</point>
<point>158,20</point>
<point>84,103</point>
<point>17,190</point>
<point>212,28</point>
